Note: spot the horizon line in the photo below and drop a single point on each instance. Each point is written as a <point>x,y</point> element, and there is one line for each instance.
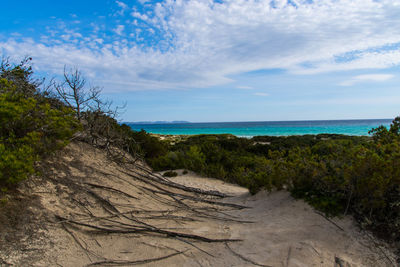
<point>185,122</point>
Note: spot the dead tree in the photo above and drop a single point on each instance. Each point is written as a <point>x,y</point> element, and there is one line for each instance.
<point>97,116</point>
<point>74,92</point>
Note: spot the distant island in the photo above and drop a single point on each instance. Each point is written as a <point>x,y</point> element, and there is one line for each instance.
<point>157,122</point>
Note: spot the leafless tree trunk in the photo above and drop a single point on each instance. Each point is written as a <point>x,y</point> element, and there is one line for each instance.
<point>74,92</point>
<point>97,116</point>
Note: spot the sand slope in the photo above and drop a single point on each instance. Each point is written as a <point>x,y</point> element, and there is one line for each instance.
<point>94,212</point>
<point>288,232</point>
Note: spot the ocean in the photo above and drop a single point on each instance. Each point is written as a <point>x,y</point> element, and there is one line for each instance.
<point>274,128</point>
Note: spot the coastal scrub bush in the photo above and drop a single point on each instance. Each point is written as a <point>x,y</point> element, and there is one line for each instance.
<point>30,127</point>
<point>336,174</point>
<point>151,147</point>
<point>170,174</point>
<point>195,159</point>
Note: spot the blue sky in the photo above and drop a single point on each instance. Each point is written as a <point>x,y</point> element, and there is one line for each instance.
<point>234,60</point>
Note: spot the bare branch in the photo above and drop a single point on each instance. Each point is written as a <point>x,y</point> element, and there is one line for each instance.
<point>74,92</point>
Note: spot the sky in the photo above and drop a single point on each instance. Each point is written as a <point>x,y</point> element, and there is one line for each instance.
<point>225,60</point>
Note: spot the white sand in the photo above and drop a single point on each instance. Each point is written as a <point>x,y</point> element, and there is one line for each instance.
<point>288,232</point>
<point>283,232</point>
<point>193,180</point>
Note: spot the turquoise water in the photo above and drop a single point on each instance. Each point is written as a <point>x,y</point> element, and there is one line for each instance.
<point>275,128</point>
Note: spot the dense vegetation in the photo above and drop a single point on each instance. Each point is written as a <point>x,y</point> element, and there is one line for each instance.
<point>37,119</point>
<point>335,173</point>
<point>32,124</point>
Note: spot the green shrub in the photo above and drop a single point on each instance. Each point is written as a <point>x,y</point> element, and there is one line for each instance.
<point>151,147</point>
<point>170,174</point>
<point>16,161</point>
<point>30,127</point>
<point>195,159</point>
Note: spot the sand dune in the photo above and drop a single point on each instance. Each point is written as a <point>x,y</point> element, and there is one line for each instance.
<point>94,212</point>
<point>288,232</point>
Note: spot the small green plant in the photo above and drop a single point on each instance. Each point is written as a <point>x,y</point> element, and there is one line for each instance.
<point>170,174</point>
<point>3,201</point>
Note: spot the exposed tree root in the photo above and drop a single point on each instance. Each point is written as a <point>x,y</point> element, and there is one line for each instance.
<point>244,258</point>
<point>138,229</point>
<point>97,208</point>
<point>162,180</point>
<point>329,220</point>
<point>167,192</point>
<point>122,262</point>
<point>111,189</point>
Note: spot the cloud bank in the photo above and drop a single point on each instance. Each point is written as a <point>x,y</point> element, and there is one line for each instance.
<point>367,78</point>
<point>202,43</point>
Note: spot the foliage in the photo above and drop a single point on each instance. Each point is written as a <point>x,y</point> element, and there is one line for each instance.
<point>102,130</point>
<point>30,127</point>
<point>21,76</point>
<point>336,174</point>
<point>170,174</point>
<point>151,147</point>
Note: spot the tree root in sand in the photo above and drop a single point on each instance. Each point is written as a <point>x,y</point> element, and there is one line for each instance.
<point>168,192</point>
<point>133,229</point>
<point>244,258</point>
<point>162,180</point>
<point>137,262</point>
<point>181,205</point>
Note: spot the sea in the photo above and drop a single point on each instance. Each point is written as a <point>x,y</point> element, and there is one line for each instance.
<point>257,128</point>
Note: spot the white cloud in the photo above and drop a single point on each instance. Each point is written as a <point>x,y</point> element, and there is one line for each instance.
<point>119,29</point>
<point>122,7</point>
<point>244,87</point>
<point>121,4</point>
<point>367,78</point>
<point>261,94</point>
<point>138,15</point>
<point>203,43</point>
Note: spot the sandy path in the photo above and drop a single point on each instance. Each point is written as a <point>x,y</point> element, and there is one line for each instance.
<point>285,232</point>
